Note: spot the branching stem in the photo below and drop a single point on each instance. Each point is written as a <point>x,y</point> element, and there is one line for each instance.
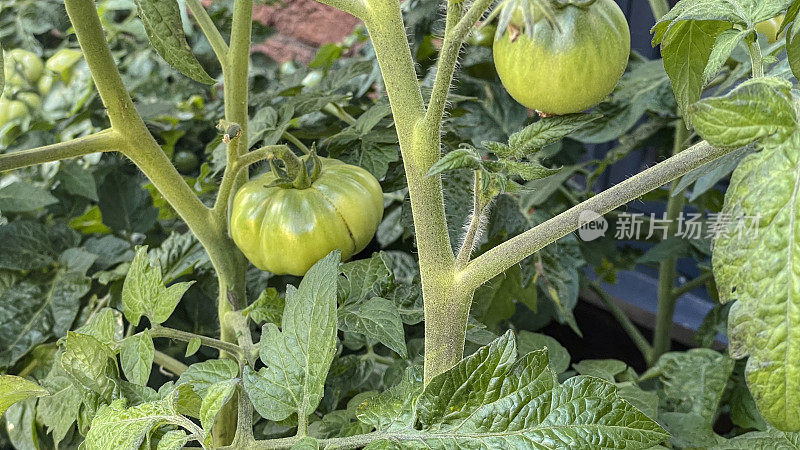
<point>103,141</point>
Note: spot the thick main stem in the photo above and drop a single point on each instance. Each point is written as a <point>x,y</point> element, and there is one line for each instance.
<point>420,146</point>
<point>667,268</point>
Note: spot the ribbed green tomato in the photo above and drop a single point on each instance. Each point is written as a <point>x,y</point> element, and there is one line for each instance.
<point>287,230</point>
<point>63,61</point>
<point>566,71</point>
<point>22,67</point>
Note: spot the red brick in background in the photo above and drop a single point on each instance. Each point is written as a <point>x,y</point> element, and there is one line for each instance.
<point>301,26</point>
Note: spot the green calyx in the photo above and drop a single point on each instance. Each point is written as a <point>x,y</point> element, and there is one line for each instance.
<point>295,172</point>
<point>579,3</point>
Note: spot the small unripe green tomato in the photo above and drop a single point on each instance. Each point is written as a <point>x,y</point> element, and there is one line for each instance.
<point>22,67</point>
<point>31,99</point>
<point>569,68</point>
<point>45,84</point>
<point>11,110</point>
<point>285,230</point>
<point>770,28</point>
<point>313,79</point>
<point>186,162</point>
<point>63,61</point>
<point>482,36</point>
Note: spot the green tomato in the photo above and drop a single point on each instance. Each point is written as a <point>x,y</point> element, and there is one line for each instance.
<point>313,79</point>
<point>22,67</point>
<point>31,99</point>
<point>186,162</point>
<point>287,230</point>
<point>770,28</point>
<point>63,61</point>
<point>482,36</point>
<point>11,110</point>
<point>45,84</point>
<point>567,71</point>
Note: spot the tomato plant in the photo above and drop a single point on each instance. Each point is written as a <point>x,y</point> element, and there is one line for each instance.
<point>439,268</point>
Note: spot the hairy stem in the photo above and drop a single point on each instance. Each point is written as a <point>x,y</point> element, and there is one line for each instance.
<point>185,336</point>
<point>666,269</point>
<point>680,291</point>
<point>218,44</point>
<point>511,252</point>
<point>756,57</point>
<point>103,141</point>
<point>659,7</point>
<point>478,207</point>
<point>297,142</point>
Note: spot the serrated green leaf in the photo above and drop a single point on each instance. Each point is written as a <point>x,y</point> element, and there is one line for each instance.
<point>85,359</point>
<point>192,346</point>
<point>756,109</point>
<point>686,50</point>
<point>606,369</point>
<point>693,381</point>
<point>463,158</point>
<point>178,255</point>
<point>761,440</point>
<point>758,270</point>
<point>217,395</point>
<point>556,353</point>
<point>144,293</point>
<point>59,411</point>
<point>488,400</point>
<point>136,357</point>
<point>267,308</point>
<point>392,409</point>
<point>529,171</point>
<point>164,27</point>
<point>727,41</point>
<point>544,132</point>
<point>299,355</point>
<point>21,196</point>
<point>77,180</point>
<point>115,426</point>
<point>306,443</point>
<point>173,440</point>
<point>14,389</point>
<point>378,319</point>
<point>32,313</point>
<point>28,245</point>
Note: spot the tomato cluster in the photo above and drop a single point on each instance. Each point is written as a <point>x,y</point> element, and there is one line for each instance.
<point>566,63</point>
<point>28,79</point>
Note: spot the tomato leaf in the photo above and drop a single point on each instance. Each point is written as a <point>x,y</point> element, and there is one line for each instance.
<point>463,158</point>
<point>164,27</point>
<point>758,108</point>
<point>217,395</point>
<point>14,389</point>
<point>299,355</point>
<point>544,132</point>
<point>21,196</point>
<point>115,426</point>
<point>758,268</point>
<point>136,357</point>
<point>144,292</point>
<point>492,399</point>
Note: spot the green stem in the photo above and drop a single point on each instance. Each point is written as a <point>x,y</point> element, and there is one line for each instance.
<point>297,142</point>
<point>478,206</point>
<point>353,7</point>
<point>667,267</point>
<point>756,57</point>
<point>660,8</point>
<point>103,141</point>
<point>627,325</point>
<point>335,110</point>
<point>511,252</point>
<point>184,336</point>
<point>420,147</point>
<point>218,44</point>
<point>169,363</point>
<point>680,291</point>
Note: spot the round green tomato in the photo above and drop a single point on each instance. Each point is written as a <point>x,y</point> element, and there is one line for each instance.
<point>566,71</point>
<point>770,28</point>
<point>63,61</point>
<point>31,100</point>
<point>482,36</point>
<point>11,110</point>
<point>286,230</point>
<point>45,84</point>
<point>186,162</point>
<point>22,67</point>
